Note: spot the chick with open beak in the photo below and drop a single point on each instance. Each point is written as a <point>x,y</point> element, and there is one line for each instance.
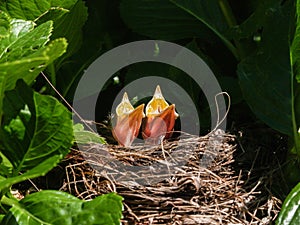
<point>160,119</point>
<point>128,122</point>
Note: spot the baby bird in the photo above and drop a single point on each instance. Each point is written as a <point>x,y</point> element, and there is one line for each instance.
<point>160,119</point>
<point>128,122</point>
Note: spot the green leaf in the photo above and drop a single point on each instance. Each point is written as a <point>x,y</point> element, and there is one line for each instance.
<point>56,208</point>
<point>28,68</point>
<point>177,19</point>
<point>295,47</point>
<point>4,24</point>
<point>35,128</point>
<point>266,76</point>
<point>111,207</point>
<point>256,21</point>
<point>32,9</point>
<point>1,217</point>
<point>54,14</point>
<point>70,27</point>
<point>84,137</point>
<point>66,16</point>
<point>295,63</point>
<point>11,29</point>
<point>24,53</point>
<point>5,165</point>
<point>290,211</point>
<point>210,14</point>
<point>162,20</point>
<point>40,169</point>
<point>23,40</point>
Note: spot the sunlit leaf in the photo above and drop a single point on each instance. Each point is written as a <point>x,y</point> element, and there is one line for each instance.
<point>31,9</point>
<point>290,211</point>
<point>83,136</point>
<point>35,128</point>
<point>56,208</point>
<point>24,53</point>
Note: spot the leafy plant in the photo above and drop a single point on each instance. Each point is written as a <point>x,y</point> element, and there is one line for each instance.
<point>260,45</point>
<point>54,207</point>
<point>36,130</point>
<point>290,209</point>
<point>84,137</point>
<point>252,47</point>
<point>264,68</point>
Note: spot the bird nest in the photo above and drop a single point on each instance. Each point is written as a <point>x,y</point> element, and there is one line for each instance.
<point>191,180</point>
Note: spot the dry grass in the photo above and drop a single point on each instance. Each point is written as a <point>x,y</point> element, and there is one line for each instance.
<point>190,181</point>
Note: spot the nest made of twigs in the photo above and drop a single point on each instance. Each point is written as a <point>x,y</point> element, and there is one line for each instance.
<point>187,181</point>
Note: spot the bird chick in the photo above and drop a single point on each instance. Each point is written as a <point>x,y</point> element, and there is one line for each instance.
<point>160,119</point>
<point>128,122</point>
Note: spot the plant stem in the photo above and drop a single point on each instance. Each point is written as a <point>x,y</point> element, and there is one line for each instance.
<point>228,44</point>
<point>294,122</point>
<point>8,201</point>
<point>231,21</point>
<point>228,14</point>
<point>51,69</point>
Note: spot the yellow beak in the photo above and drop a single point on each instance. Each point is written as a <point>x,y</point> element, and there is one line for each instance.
<point>128,122</point>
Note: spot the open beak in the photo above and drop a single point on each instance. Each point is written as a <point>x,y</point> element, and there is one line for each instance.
<point>128,122</point>
<point>160,119</point>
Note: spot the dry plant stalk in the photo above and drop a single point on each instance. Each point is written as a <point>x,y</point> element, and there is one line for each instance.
<point>193,182</point>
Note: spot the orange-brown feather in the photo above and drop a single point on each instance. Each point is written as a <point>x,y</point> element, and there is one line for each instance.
<point>160,119</point>
<point>160,126</point>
